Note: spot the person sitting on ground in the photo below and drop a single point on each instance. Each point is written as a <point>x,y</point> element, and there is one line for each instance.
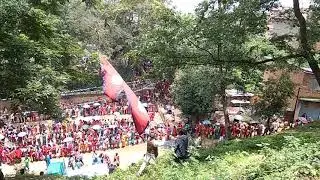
<point>152,153</point>
<point>181,147</point>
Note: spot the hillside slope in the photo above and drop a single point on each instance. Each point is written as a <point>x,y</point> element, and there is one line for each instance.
<point>294,154</point>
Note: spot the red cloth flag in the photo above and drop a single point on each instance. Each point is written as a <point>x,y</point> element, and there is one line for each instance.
<point>112,81</point>
<point>114,85</point>
<point>139,113</point>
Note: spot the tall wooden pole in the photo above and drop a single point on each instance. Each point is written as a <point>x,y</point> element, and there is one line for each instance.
<point>295,106</point>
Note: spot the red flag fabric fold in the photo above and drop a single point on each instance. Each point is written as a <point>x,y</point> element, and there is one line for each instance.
<point>139,113</point>
<point>113,83</point>
<point>114,86</point>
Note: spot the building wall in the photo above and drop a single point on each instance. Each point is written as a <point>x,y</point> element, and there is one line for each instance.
<point>301,79</point>
<point>296,77</point>
<point>311,109</point>
<point>78,99</point>
<point>310,88</point>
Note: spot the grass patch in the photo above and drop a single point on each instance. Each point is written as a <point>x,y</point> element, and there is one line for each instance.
<point>293,154</point>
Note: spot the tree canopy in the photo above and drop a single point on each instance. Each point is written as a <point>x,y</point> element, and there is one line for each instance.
<point>274,96</point>
<point>195,88</point>
<point>51,46</point>
<point>36,52</point>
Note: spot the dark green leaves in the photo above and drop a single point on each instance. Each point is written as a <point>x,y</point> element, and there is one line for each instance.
<point>274,96</point>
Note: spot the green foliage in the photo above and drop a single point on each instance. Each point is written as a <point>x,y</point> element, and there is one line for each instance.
<point>214,35</point>
<point>194,89</point>
<point>291,155</point>
<point>115,29</point>
<point>36,53</point>
<point>274,96</point>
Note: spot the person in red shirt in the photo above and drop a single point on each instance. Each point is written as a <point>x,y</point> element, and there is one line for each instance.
<point>211,132</point>
<point>18,153</point>
<point>179,127</point>
<point>233,130</point>
<point>174,132</point>
<point>168,132</point>
<point>197,129</point>
<point>222,132</point>
<point>238,132</point>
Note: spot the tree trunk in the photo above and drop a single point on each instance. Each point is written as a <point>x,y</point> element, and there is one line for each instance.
<point>225,114</point>
<point>267,126</point>
<point>194,120</point>
<point>306,48</point>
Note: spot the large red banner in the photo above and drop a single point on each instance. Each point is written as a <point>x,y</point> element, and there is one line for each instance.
<point>114,86</point>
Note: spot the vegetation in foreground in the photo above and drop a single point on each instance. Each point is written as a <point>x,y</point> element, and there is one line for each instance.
<point>294,154</point>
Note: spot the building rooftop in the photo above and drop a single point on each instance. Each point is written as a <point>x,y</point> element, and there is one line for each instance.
<point>310,99</point>
<point>237,93</point>
<point>307,70</point>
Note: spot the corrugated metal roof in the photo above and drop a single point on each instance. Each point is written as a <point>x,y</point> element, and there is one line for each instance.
<point>307,70</point>
<point>310,99</point>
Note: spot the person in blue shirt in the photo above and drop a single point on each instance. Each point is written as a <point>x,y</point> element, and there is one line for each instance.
<point>94,158</point>
<point>48,159</point>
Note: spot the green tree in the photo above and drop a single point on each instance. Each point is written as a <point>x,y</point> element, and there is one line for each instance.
<point>194,90</point>
<point>274,97</point>
<point>219,35</point>
<point>299,37</point>
<point>36,53</point>
<point>114,28</point>
<point>308,39</point>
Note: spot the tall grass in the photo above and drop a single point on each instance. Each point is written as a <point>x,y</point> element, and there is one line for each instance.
<point>293,154</point>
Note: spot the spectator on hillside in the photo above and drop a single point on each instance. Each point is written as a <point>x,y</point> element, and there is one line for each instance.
<point>181,146</point>
<point>152,153</point>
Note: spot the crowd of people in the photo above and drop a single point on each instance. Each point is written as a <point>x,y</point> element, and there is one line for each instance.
<point>240,129</point>
<point>95,108</point>
<point>66,139</point>
<point>22,116</point>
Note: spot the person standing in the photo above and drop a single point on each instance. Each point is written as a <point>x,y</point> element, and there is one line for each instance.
<point>116,160</point>
<point>222,132</point>
<point>152,153</point>
<point>48,160</point>
<point>27,163</point>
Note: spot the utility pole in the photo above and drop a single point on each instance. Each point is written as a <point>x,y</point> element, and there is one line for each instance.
<point>295,106</point>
